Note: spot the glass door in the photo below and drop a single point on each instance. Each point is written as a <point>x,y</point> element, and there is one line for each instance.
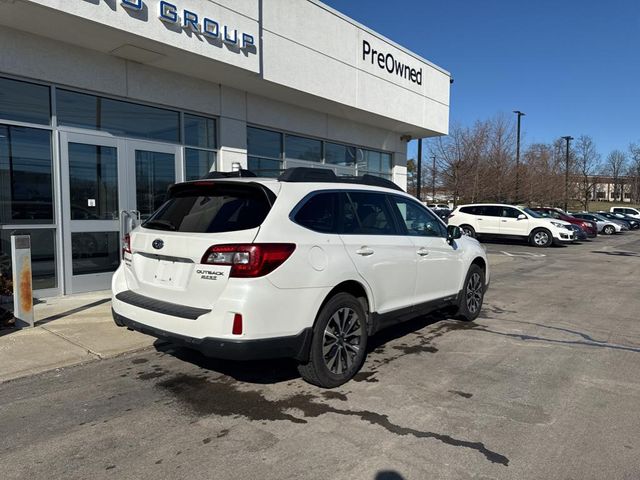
<point>92,193</point>
<point>108,184</point>
<point>151,169</point>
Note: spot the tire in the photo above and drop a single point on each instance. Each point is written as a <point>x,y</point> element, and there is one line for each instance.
<point>339,343</point>
<point>472,295</point>
<point>468,231</point>
<point>541,238</point>
<point>609,230</point>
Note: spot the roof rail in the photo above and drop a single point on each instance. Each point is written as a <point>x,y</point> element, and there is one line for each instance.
<point>234,174</point>
<point>306,174</point>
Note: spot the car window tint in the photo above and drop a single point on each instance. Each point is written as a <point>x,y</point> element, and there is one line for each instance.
<point>489,210</point>
<point>211,208</point>
<point>470,210</point>
<point>510,212</point>
<point>418,220</point>
<point>319,213</point>
<point>372,215</point>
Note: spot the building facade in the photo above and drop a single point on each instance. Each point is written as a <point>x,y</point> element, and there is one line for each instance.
<point>104,103</point>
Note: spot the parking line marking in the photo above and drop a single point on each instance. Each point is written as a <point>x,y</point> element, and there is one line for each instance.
<point>524,254</point>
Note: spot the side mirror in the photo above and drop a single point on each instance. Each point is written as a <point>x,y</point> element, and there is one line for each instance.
<point>522,216</point>
<point>453,233</point>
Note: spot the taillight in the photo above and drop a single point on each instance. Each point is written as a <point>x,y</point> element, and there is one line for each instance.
<point>249,260</point>
<point>126,244</point>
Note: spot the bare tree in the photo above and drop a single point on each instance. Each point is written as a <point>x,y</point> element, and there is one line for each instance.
<point>453,163</point>
<point>586,163</point>
<point>542,174</point>
<point>500,159</point>
<point>634,171</point>
<point>616,162</point>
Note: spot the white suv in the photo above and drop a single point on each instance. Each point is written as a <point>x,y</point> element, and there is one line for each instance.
<point>631,212</point>
<point>511,221</point>
<point>305,266</point>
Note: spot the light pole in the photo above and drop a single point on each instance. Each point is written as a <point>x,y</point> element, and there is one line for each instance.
<point>419,170</point>
<point>519,114</point>
<point>433,179</point>
<point>566,174</point>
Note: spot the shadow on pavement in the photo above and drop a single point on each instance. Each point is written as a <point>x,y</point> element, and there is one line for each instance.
<point>515,241</point>
<point>388,475</point>
<point>282,370</point>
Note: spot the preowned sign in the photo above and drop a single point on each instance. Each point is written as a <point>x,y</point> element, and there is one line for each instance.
<point>386,61</point>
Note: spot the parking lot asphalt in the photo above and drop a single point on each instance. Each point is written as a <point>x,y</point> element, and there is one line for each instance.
<point>545,384</point>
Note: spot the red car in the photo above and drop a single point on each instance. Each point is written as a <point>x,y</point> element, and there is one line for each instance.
<point>590,228</point>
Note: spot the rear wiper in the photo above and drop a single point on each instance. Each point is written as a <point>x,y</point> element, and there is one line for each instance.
<point>163,224</point>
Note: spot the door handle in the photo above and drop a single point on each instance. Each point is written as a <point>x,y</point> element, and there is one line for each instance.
<point>503,220</point>
<point>364,251</point>
<point>479,219</point>
<point>423,252</point>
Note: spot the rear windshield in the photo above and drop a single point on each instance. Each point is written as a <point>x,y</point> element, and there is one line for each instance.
<point>212,208</point>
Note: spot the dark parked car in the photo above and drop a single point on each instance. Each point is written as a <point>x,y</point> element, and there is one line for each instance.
<point>634,223</point>
<point>589,228</point>
<point>443,213</point>
<point>579,233</point>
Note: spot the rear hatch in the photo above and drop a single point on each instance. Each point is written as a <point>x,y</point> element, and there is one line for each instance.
<point>167,249</point>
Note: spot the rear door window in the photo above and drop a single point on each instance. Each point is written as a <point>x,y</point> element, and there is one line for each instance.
<point>212,208</point>
<point>368,213</point>
<point>489,210</point>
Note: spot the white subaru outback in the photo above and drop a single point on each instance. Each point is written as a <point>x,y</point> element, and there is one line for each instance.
<point>305,266</point>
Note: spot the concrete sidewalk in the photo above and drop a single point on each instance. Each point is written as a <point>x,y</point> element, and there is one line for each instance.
<point>69,331</point>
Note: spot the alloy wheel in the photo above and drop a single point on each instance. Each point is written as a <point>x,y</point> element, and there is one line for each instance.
<point>342,338</point>
<point>474,293</point>
<point>541,238</point>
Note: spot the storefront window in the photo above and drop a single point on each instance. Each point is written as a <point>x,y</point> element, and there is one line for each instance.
<point>24,102</point>
<point>198,163</point>
<point>265,167</point>
<point>117,117</point>
<point>339,154</point>
<point>300,148</point>
<point>26,192</point>
<point>264,149</point>
<point>43,258</point>
<point>199,131</point>
<point>374,163</point>
<point>264,143</point>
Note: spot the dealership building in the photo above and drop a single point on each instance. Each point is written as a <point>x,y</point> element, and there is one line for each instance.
<point>105,103</point>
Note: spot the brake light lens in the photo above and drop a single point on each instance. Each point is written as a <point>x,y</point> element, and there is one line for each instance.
<point>126,244</point>
<point>249,260</point>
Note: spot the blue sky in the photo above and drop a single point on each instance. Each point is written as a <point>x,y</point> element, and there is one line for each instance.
<point>573,66</point>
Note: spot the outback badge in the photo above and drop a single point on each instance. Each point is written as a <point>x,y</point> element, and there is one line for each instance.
<point>157,244</point>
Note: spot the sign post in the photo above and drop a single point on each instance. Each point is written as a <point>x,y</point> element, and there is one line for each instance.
<point>22,280</point>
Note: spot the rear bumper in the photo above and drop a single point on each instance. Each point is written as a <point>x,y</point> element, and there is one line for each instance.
<point>296,346</point>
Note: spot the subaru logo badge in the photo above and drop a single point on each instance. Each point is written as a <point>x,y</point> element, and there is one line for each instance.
<point>157,244</point>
